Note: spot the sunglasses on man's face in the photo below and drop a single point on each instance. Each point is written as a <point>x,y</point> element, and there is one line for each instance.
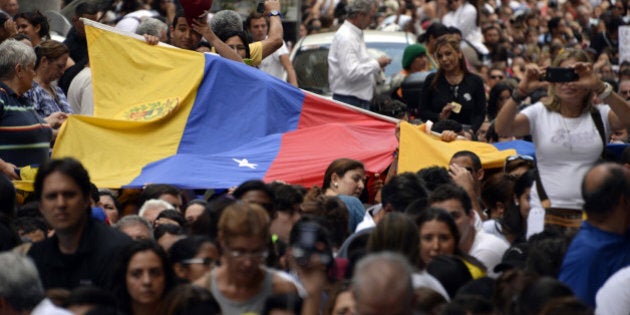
<point>202,261</point>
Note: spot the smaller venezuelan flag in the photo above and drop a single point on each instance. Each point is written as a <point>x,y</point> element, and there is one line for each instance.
<point>419,150</point>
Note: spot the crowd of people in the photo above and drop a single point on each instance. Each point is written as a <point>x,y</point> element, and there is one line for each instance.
<point>544,234</point>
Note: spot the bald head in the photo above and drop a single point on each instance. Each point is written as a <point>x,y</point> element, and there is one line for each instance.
<point>382,284</point>
<point>603,187</point>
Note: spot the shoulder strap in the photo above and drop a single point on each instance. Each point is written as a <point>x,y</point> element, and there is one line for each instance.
<point>608,43</point>
<point>542,194</point>
<point>597,119</point>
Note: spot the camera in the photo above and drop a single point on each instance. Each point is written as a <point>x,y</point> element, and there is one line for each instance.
<point>311,242</point>
<point>556,74</point>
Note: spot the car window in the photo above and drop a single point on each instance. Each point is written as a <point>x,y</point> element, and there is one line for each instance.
<point>394,51</point>
<point>311,68</point>
<point>311,64</point>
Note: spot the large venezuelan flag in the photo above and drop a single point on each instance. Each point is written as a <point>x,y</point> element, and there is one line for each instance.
<point>166,115</point>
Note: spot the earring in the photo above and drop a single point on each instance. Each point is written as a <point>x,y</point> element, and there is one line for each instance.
<point>517,204</point>
<point>336,185</point>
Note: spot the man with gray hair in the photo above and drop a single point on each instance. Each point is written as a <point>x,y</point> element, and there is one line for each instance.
<point>154,27</point>
<point>25,136</point>
<point>351,69</point>
<point>136,227</point>
<point>227,21</point>
<point>382,284</point>
<point>21,291</point>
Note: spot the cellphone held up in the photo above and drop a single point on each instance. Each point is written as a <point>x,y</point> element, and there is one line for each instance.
<point>558,74</point>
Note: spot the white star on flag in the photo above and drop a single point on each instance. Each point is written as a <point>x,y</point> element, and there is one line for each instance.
<point>245,163</point>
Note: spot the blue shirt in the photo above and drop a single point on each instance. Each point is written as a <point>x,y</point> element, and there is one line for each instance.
<point>593,256</point>
<point>356,211</point>
<point>46,104</point>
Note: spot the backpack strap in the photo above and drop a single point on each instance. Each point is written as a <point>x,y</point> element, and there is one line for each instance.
<point>542,194</point>
<point>599,124</point>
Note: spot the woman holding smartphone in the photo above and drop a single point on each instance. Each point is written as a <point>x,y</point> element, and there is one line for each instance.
<point>569,134</point>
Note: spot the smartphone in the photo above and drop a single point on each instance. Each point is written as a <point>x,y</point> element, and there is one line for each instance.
<point>261,6</point>
<point>556,74</point>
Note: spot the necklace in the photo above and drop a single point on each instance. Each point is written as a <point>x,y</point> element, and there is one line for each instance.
<point>454,79</point>
<point>568,124</point>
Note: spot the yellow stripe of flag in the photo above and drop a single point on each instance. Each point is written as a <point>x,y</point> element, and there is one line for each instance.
<point>419,150</point>
<point>155,86</point>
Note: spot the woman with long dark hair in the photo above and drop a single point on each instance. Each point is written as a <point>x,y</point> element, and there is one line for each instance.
<point>452,92</point>
<point>33,24</point>
<point>52,57</point>
<point>142,278</point>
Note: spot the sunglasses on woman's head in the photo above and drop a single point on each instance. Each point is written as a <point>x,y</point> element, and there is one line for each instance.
<point>512,163</point>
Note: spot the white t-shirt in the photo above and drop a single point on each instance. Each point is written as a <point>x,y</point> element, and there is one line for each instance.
<point>272,64</point>
<point>613,298</point>
<point>424,279</point>
<point>493,228</point>
<point>81,94</point>
<point>368,221</point>
<point>465,20</point>
<point>131,21</point>
<point>489,250</point>
<point>46,307</point>
<point>565,150</point>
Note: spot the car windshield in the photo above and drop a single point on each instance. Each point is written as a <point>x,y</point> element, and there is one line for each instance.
<point>311,64</point>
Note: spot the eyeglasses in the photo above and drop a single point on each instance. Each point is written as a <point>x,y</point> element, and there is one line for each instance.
<point>625,92</point>
<point>496,77</point>
<point>241,254</point>
<point>203,261</point>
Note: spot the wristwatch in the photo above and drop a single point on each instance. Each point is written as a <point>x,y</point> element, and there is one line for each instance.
<point>275,13</point>
<point>606,92</point>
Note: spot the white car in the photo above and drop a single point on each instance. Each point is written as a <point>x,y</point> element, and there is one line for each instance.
<point>310,56</point>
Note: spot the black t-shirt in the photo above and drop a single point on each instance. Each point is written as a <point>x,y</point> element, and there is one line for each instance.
<point>469,93</point>
<point>91,264</point>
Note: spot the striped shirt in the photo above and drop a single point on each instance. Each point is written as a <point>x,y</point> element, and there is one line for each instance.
<point>24,136</point>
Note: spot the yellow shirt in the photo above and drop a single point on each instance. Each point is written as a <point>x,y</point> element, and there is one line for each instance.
<point>255,54</point>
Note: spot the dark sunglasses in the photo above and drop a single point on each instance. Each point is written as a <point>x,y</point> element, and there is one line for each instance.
<point>203,261</point>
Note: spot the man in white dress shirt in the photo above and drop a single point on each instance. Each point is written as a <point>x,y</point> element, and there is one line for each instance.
<point>351,69</point>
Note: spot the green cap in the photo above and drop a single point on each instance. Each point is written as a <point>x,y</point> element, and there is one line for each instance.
<point>411,52</point>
